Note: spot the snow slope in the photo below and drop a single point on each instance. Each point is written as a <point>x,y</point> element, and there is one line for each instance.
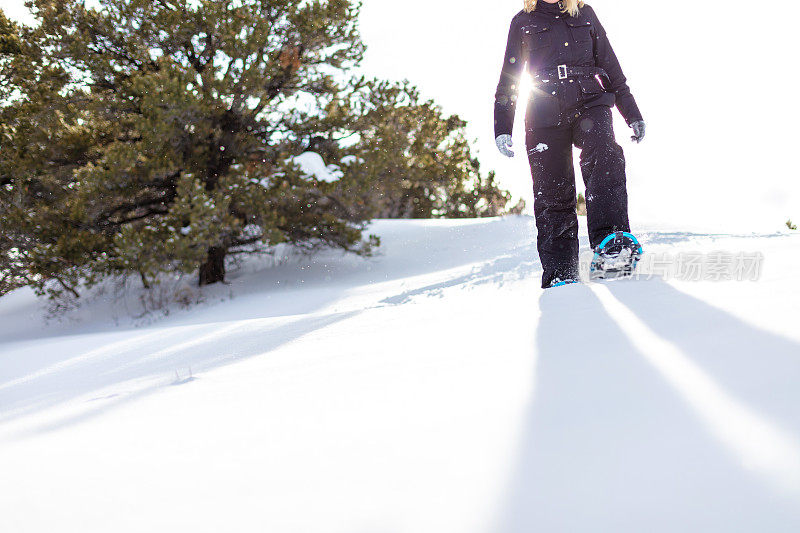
<point>432,388</point>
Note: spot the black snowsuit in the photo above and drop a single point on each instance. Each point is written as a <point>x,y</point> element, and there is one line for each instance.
<point>577,80</point>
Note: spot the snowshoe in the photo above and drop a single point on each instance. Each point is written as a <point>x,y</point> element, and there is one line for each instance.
<point>616,257</point>
<point>560,283</point>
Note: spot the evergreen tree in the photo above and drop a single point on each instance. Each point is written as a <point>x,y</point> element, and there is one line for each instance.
<point>12,270</point>
<point>141,137</point>
<point>9,40</point>
<point>581,204</point>
<point>147,137</point>
<point>413,161</point>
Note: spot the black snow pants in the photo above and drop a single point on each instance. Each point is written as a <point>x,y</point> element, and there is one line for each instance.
<point>603,169</point>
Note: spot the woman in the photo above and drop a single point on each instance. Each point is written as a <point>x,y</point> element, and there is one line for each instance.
<point>577,80</point>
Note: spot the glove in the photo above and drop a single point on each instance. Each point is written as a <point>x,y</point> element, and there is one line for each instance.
<point>638,131</point>
<point>504,144</point>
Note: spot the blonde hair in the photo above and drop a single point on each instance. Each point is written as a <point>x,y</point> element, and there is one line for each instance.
<point>570,6</point>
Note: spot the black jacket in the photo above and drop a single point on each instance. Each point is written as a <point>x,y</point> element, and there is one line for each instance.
<point>541,41</point>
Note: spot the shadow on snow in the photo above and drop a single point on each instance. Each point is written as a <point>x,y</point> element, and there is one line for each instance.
<point>608,445</point>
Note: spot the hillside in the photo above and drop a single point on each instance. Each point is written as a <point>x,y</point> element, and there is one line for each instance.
<point>431,388</point>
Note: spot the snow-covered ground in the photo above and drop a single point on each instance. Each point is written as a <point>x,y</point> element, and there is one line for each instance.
<point>431,388</point>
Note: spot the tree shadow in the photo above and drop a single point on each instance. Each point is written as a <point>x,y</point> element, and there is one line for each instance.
<point>109,375</point>
<point>272,292</point>
<point>93,368</point>
<point>607,445</point>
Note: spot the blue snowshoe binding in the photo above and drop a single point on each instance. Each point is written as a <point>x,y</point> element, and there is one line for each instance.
<point>616,257</point>
<point>560,283</point>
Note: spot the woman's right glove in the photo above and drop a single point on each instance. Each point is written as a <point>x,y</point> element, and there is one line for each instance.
<point>504,144</point>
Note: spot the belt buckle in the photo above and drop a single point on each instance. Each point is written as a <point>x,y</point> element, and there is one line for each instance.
<point>562,72</point>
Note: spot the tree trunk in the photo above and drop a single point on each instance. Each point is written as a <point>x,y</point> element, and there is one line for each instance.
<point>213,270</point>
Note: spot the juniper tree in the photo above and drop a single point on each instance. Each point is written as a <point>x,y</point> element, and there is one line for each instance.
<point>9,40</point>
<point>413,160</point>
<point>149,136</point>
<point>143,137</point>
<point>580,204</point>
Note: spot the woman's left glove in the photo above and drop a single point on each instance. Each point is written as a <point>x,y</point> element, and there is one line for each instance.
<point>504,144</point>
<point>638,131</point>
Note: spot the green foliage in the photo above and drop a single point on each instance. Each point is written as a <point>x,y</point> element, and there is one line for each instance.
<point>415,162</point>
<point>581,204</point>
<point>12,267</point>
<point>139,135</point>
<point>9,40</point>
<point>791,225</point>
<point>150,138</point>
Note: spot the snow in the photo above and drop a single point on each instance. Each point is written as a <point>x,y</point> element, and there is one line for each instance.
<point>352,160</point>
<point>541,147</point>
<point>431,388</point>
<point>312,165</point>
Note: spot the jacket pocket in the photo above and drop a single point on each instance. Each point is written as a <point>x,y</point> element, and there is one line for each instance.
<point>581,30</point>
<point>537,36</point>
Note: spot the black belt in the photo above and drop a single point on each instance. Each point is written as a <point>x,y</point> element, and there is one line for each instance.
<point>564,72</point>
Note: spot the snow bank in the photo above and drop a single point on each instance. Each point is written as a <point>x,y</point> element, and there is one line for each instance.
<point>312,165</point>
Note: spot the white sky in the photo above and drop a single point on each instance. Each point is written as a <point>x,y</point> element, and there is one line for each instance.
<point>716,91</point>
<point>721,129</point>
<point>15,9</point>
